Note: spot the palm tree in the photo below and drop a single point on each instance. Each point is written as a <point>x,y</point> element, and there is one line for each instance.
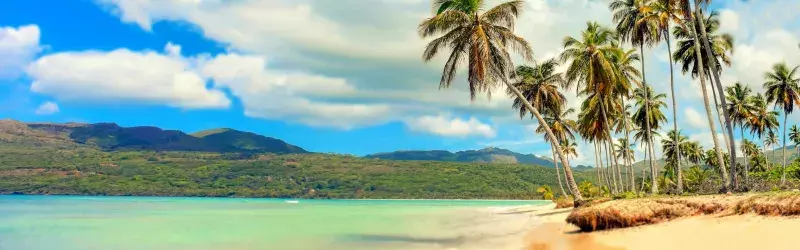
<point>794,135</point>
<point>624,123</point>
<point>781,89</point>
<point>649,116</point>
<point>562,127</point>
<point>750,149</point>
<point>546,192</point>
<point>623,150</point>
<point>722,46</point>
<point>706,38</point>
<point>741,107</point>
<point>672,145</point>
<point>663,13</point>
<point>686,43</point>
<point>540,87</point>
<point>481,38</point>
<point>696,176</point>
<point>628,15</point>
<point>770,141</point>
<point>694,152</point>
<point>570,148</point>
<point>762,121</point>
<point>592,69</point>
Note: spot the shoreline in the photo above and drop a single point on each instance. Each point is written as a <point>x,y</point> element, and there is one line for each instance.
<point>273,198</point>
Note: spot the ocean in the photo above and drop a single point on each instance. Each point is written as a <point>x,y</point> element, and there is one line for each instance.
<point>161,223</point>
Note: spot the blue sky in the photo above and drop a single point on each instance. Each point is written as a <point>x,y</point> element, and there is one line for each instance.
<point>339,77</point>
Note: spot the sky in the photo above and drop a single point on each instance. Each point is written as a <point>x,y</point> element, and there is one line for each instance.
<point>341,76</point>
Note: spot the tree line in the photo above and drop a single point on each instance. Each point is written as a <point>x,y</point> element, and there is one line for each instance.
<point>618,100</point>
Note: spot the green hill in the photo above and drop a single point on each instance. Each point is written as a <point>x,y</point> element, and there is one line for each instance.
<point>112,137</point>
<point>247,141</point>
<point>489,155</point>
<point>106,159</point>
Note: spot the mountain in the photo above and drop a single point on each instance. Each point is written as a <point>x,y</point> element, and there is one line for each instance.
<point>247,141</point>
<point>491,154</point>
<point>110,137</point>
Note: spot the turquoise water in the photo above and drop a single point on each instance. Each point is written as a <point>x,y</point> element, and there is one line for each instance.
<point>127,223</point>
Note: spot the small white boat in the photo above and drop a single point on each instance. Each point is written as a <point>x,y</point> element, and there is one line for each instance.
<point>293,201</point>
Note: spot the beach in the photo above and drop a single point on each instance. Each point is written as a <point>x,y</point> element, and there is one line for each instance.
<point>735,232</point>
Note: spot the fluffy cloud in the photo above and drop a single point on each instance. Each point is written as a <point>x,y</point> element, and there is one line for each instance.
<point>695,119</point>
<point>47,108</point>
<point>123,76</point>
<point>363,68</point>
<point>18,46</point>
<point>451,127</point>
<point>287,96</point>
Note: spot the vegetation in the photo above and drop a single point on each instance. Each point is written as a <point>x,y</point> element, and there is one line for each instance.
<point>87,171</point>
<point>634,212</point>
<point>600,70</point>
<point>491,154</point>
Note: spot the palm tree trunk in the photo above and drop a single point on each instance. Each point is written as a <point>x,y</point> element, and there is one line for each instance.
<point>653,189</point>
<point>719,113</point>
<point>646,153</point>
<point>573,187</point>
<point>783,170</point>
<point>558,173</point>
<point>701,74</point>
<point>715,71</point>
<point>628,161</point>
<point>562,172</point>
<point>674,111</point>
<point>611,169</point>
<point>597,165</point>
<point>610,149</point>
<point>655,166</point>
<point>603,167</point>
<point>746,162</point>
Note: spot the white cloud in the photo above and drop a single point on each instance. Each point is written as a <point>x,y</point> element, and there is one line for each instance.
<point>369,60</point>
<point>123,76</point>
<point>729,21</point>
<point>284,96</point>
<point>47,108</point>
<point>18,46</point>
<point>451,127</point>
<point>695,119</point>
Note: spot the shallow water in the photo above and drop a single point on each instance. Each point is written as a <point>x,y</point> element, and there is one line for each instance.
<point>127,223</point>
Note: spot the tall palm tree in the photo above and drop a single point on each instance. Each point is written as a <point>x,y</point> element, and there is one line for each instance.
<point>623,150</point>
<point>481,40</point>
<point>686,39</point>
<point>624,124</point>
<point>707,38</point>
<point>741,107</point>
<point>782,89</point>
<point>627,77</point>
<point>722,46</point>
<point>628,16</point>
<point>663,13</point>
<point>562,127</point>
<point>592,70</point>
<point>648,115</point>
<point>762,121</point>
<point>540,86</point>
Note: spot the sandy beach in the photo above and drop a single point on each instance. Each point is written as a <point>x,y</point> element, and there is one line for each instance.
<point>544,228</point>
<point>703,232</point>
